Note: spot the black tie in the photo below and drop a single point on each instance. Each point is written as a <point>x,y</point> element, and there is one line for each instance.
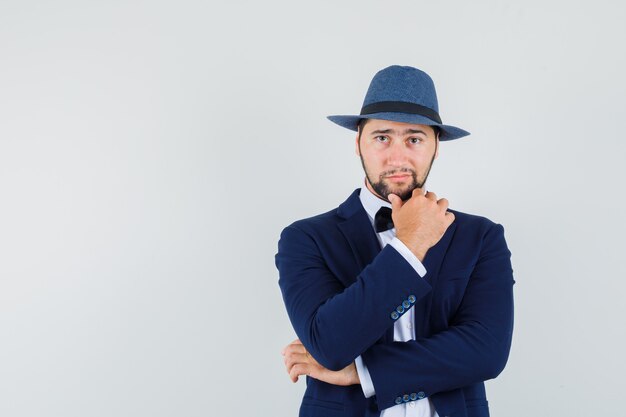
<point>382,220</point>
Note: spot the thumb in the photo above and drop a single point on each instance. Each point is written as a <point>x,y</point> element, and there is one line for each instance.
<point>396,202</point>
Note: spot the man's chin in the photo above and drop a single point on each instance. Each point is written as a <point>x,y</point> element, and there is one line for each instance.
<point>403,192</point>
<point>384,188</point>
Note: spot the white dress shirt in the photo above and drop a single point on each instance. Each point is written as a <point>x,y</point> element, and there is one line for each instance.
<point>404,327</point>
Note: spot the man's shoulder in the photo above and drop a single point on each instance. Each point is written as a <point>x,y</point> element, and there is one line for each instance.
<point>327,221</point>
<point>317,223</point>
<point>469,217</point>
<point>472,221</point>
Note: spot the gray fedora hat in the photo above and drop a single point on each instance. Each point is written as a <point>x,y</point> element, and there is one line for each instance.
<point>401,94</point>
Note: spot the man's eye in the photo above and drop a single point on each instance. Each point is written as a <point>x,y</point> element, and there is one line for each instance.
<point>382,139</point>
<point>415,140</point>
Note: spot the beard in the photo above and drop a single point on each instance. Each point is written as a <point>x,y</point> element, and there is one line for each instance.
<point>383,189</point>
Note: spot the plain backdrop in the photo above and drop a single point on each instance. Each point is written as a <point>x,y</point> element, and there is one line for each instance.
<point>151,152</point>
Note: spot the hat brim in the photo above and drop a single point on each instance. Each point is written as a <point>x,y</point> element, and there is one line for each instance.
<point>447,132</point>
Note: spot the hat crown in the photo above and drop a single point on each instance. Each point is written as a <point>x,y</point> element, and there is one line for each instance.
<point>401,83</point>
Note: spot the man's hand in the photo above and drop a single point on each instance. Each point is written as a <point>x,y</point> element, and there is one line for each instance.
<point>421,221</point>
<point>299,362</point>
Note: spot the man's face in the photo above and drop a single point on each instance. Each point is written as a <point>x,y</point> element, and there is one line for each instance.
<point>396,156</point>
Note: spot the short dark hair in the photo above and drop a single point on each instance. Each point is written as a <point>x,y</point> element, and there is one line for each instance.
<point>361,124</point>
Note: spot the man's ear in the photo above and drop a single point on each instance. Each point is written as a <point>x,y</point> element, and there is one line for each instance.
<point>437,146</point>
<point>356,145</point>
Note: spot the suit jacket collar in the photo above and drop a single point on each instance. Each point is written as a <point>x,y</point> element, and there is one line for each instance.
<point>349,207</point>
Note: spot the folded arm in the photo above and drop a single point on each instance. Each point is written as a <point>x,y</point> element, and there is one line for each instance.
<point>335,323</point>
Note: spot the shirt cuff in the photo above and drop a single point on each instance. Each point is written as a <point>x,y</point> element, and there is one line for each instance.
<point>408,256</point>
<point>364,376</point>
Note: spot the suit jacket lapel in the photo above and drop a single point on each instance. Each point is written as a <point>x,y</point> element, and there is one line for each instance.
<point>358,231</point>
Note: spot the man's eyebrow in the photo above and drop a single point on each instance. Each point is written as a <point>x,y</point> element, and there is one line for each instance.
<point>406,131</point>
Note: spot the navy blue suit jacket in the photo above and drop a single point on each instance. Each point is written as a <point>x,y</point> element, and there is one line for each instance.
<point>340,290</point>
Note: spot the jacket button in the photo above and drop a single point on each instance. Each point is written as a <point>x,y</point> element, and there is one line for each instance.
<point>412,299</point>
<point>406,304</point>
<point>395,315</point>
<point>405,398</point>
<point>421,395</point>
<point>413,396</point>
<point>400,309</point>
<point>398,400</point>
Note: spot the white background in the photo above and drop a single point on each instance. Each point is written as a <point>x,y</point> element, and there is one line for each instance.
<point>151,152</point>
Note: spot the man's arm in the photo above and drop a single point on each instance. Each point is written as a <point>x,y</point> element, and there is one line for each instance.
<point>474,348</point>
<point>335,323</point>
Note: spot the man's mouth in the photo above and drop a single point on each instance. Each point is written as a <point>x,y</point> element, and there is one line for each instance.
<point>398,177</point>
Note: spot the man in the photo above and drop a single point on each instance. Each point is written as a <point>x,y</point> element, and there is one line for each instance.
<point>402,307</point>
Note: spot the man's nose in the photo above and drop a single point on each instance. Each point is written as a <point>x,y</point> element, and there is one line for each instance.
<point>397,153</point>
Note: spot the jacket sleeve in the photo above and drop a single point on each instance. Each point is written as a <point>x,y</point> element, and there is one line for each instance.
<point>333,322</point>
<point>475,346</point>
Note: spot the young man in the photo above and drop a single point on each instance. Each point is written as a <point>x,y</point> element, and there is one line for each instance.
<point>402,307</point>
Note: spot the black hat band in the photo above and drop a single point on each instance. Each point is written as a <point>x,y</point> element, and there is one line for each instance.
<point>400,107</point>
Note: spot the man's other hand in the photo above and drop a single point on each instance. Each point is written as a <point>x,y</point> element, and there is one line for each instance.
<point>299,362</point>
